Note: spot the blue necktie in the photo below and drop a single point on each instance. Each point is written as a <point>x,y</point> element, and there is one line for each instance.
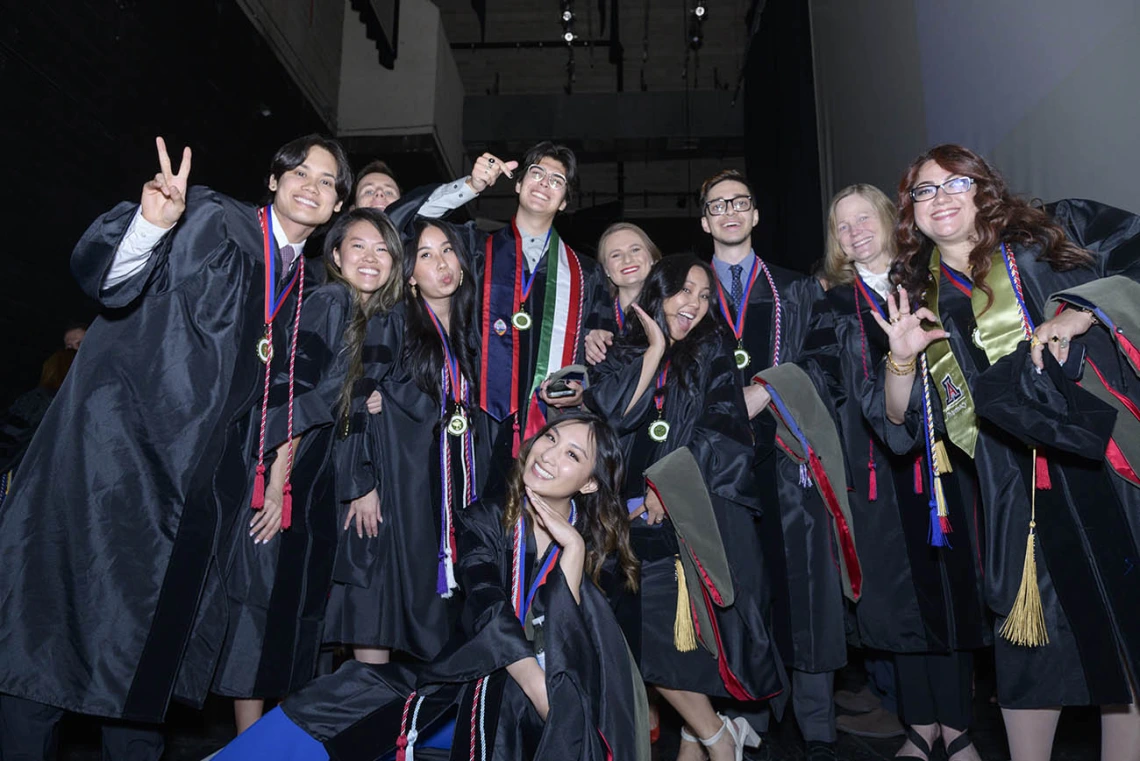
<point>737,286</point>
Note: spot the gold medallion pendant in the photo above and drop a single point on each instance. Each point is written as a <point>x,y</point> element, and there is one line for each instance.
<point>457,425</point>
<point>743,358</point>
<point>521,320</point>
<point>265,350</point>
<point>659,430</point>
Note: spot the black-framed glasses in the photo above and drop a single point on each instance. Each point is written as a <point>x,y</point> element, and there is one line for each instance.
<point>951,187</point>
<point>720,206</point>
<point>554,180</point>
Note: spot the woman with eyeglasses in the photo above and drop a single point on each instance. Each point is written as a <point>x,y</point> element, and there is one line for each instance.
<point>920,603</point>
<point>626,254</point>
<point>540,669</point>
<point>1000,307</point>
<point>672,390</point>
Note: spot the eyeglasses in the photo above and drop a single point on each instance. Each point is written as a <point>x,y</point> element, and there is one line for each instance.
<point>720,205</point>
<point>951,187</point>
<point>554,180</point>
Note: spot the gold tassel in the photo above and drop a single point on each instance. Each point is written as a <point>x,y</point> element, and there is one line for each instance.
<point>1025,625</point>
<point>942,456</point>
<point>684,636</point>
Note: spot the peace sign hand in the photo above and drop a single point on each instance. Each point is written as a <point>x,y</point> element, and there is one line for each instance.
<point>905,331</point>
<point>164,197</point>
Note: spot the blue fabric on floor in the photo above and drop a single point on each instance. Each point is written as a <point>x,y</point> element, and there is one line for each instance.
<point>274,737</point>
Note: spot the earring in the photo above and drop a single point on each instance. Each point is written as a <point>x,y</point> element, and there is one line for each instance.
<point>460,278</point>
<point>415,293</point>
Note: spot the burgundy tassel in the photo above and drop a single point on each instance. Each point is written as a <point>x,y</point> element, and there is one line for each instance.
<point>918,474</point>
<point>1043,480</point>
<point>287,506</point>
<point>258,500</point>
<point>872,479</point>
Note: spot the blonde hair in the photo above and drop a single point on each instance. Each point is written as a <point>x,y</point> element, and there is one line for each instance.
<point>616,227</point>
<point>837,267</point>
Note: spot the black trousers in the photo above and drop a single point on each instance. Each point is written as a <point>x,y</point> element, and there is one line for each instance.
<point>28,733</point>
<point>935,688</point>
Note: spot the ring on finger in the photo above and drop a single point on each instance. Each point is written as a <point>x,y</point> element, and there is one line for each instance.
<point>1034,342</point>
<point>1054,339</point>
<point>1064,343</point>
<point>894,320</point>
<point>491,160</point>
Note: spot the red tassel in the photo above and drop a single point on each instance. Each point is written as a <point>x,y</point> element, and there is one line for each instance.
<point>872,483</point>
<point>515,446</point>
<point>258,500</point>
<point>1043,480</point>
<point>287,506</point>
<point>918,474</point>
<point>944,524</point>
<point>401,748</point>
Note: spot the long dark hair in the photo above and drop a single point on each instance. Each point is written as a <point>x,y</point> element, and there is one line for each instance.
<point>423,351</point>
<point>363,310</point>
<point>686,356</point>
<point>603,520</point>
<point>1001,217</point>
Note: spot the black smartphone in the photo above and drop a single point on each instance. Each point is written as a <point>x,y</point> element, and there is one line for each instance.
<point>1074,366</point>
<point>559,389</point>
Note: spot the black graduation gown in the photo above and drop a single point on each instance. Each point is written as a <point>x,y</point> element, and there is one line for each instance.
<point>1080,665</point>
<point>386,592</point>
<point>798,549</point>
<point>916,598</point>
<point>712,423</point>
<point>597,310</point>
<point>595,694</point>
<point>19,425</point>
<point>278,591</point>
<point>112,532</point>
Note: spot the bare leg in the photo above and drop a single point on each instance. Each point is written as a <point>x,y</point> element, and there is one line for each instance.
<point>697,712</point>
<point>1120,733</point>
<point>928,732</point>
<point>1030,732</point>
<point>372,654</point>
<point>949,735</point>
<point>246,712</point>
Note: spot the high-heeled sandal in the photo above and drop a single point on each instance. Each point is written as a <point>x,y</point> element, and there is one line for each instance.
<point>958,744</point>
<point>920,742</point>
<point>741,732</point>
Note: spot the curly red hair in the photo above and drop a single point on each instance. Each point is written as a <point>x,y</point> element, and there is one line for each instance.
<point>1001,218</point>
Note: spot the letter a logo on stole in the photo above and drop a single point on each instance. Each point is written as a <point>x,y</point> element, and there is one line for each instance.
<point>953,393</point>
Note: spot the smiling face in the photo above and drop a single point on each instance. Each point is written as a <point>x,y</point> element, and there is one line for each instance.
<point>945,219</point>
<point>688,306</point>
<point>363,258</point>
<point>436,273</point>
<point>376,190</point>
<point>560,463</point>
<point>733,227</point>
<point>306,194</point>
<point>536,196</point>
<point>625,258</point>
<point>859,229</point>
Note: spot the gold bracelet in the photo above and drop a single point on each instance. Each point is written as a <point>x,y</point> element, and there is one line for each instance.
<point>901,370</point>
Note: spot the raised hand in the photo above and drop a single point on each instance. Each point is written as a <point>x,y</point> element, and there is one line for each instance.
<point>164,197</point>
<point>904,329</point>
<point>488,168</point>
<point>652,330</point>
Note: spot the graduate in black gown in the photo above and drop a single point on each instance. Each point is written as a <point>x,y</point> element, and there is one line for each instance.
<point>981,265</point>
<point>538,296</point>
<point>769,311</point>
<point>423,456</point>
<point>376,187</point>
<point>920,602</point>
<point>279,565</point>
<point>124,548</point>
<point>671,388</point>
<point>541,669</point>
<point>626,254</point>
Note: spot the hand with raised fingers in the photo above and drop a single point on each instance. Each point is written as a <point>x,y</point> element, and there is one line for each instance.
<point>487,170</point>
<point>904,328</point>
<point>164,197</point>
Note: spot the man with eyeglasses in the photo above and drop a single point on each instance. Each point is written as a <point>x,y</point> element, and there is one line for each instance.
<point>768,309</point>
<point>538,297</point>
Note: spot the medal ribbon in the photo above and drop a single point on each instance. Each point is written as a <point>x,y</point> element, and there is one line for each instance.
<point>659,392</point>
<point>737,323</point>
<point>522,603</point>
<point>451,361</point>
<point>619,315</point>
<point>273,298</point>
<point>525,282</point>
<point>862,287</point>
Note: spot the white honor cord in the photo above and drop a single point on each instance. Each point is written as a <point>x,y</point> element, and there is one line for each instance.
<point>409,753</point>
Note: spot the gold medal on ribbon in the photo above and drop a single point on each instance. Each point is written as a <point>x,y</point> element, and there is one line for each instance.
<point>521,320</point>
<point>659,430</point>
<point>265,349</point>
<point>743,358</point>
<point>457,425</point>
